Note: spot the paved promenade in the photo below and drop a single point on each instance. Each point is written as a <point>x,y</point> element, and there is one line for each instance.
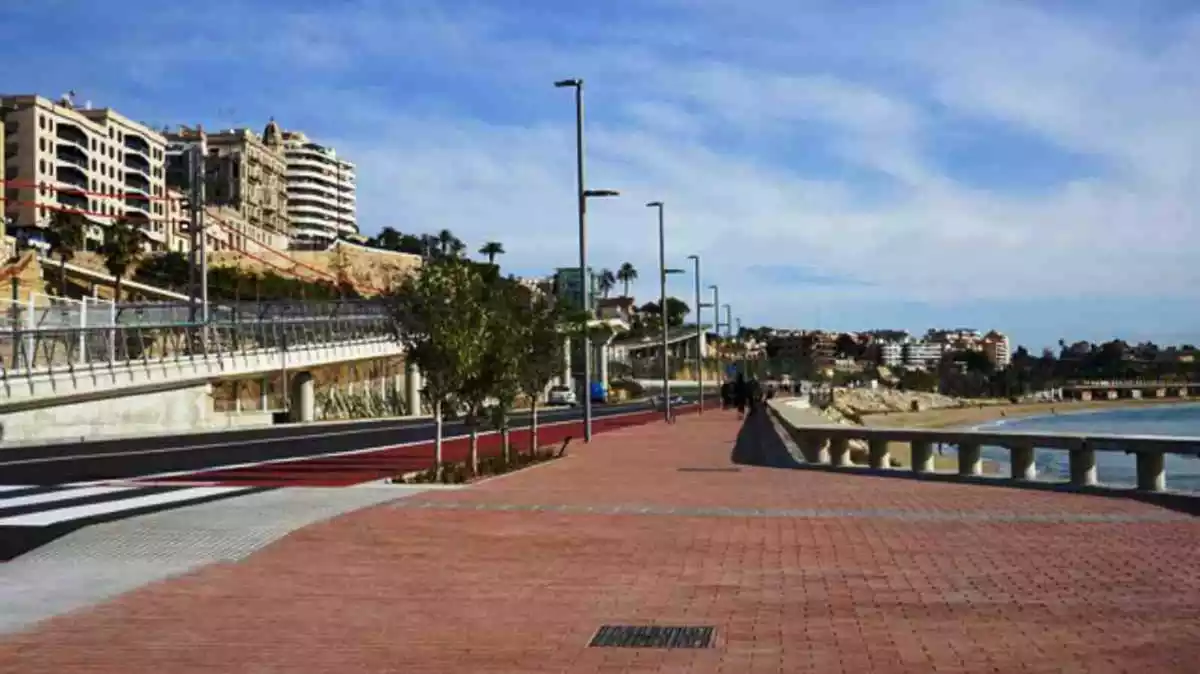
<point>799,571</point>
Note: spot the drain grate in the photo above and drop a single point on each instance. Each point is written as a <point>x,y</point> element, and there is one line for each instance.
<point>709,470</point>
<point>653,636</point>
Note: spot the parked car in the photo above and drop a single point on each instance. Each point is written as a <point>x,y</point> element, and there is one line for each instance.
<point>561,395</point>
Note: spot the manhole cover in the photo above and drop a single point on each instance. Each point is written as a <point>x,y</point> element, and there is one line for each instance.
<point>709,470</point>
<point>653,636</point>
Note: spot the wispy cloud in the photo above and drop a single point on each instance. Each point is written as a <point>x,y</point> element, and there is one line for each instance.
<point>935,151</point>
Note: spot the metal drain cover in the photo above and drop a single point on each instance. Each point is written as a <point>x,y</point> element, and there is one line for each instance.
<point>653,636</point>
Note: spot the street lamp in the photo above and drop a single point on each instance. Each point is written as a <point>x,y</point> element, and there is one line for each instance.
<point>728,321</point>
<point>583,195</point>
<point>662,306</point>
<point>699,337</point>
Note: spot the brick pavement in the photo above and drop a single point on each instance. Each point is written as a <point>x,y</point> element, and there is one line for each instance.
<point>800,571</point>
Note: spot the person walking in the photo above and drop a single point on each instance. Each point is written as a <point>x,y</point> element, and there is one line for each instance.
<point>741,395</point>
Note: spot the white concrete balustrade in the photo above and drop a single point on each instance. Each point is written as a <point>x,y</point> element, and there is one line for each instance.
<point>829,444</point>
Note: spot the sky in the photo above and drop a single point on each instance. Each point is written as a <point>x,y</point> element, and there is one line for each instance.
<point>1029,167</point>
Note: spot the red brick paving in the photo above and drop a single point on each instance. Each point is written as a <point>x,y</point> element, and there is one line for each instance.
<point>428,590</point>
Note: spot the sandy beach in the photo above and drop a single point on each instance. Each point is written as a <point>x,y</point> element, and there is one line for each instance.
<point>973,416</point>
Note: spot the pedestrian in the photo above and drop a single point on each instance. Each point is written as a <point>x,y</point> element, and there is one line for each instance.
<point>741,395</point>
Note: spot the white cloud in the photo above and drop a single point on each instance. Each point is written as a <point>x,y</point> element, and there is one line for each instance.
<point>777,134</point>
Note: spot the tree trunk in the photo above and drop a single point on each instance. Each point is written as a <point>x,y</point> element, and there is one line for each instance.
<point>117,289</point>
<point>437,438</point>
<point>505,449</point>
<point>474,459</point>
<point>62,276</point>
<point>533,428</point>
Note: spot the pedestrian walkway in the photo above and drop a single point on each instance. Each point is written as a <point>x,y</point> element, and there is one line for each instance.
<point>684,525</point>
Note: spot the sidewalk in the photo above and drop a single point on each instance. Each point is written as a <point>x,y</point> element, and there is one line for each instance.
<point>798,570</point>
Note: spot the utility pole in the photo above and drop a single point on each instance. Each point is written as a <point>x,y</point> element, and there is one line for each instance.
<point>197,254</point>
<point>699,338</point>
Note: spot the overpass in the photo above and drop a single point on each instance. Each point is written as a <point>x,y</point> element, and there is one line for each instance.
<point>153,368</point>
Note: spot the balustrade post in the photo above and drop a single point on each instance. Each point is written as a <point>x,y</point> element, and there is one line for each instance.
<point>922,456</point>
<point>815,448</point>
<point>879,456</point>
<point>83,309</point>
<point>1022,463</point>
<point>1151,472</point>
<point>1083,467</point>
<point>970,460</point>
<point>839,452</point>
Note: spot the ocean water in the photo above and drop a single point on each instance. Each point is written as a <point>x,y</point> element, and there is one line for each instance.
<point>1113,468</point>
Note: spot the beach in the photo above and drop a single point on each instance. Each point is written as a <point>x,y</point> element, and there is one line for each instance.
<point>956,417</point>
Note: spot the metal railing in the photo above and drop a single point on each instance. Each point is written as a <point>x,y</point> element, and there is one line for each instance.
<point>240,329</point>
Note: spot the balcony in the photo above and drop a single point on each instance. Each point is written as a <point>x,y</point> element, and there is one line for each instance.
<point>136,143</point>
<point>72,199</point>
<point>71,176</point>
<point>72,155</point>
<point>138,202</point>
<point>137,163</point>
<point>72,134</point>
<point>137,181</point>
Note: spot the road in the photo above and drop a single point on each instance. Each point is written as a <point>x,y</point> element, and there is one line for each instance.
<point>140,457</point>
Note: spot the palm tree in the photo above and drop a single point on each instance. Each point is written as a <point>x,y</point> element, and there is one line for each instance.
<point>66,232</point>
<point>449,245</point>
<point>491,249</point>
<point>627,274</point>
<point>121,250</point>
<point>606,282</point>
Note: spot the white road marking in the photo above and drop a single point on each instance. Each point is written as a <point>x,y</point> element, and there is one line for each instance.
<point>47,517</point>
<point>59,495</point>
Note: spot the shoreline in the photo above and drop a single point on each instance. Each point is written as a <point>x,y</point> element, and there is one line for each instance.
<point>971,417</point>
<point>953,417</point>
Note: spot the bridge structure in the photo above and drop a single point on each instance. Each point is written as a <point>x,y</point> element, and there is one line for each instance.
<point>1132,388</point>
<point>78,370</point>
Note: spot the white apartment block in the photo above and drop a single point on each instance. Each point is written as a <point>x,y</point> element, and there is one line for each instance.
<point>924,354</point>
<point>996,348</point>
<point>891,354</point>
<point>63,157</point>
<point>320,191</point>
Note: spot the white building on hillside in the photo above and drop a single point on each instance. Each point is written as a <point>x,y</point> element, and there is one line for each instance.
<point>321,192</point>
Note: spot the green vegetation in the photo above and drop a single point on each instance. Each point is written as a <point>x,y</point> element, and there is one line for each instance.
<point>65,236</point>
<point>479,339</point>
<point>121,250</point>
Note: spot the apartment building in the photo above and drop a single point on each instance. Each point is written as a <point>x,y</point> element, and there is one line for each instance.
<point>244,173</point>
<point>996,348</point>
<point>62,157</point>
<point>321,193</point>
<point>924,354</point>
<point>224,230</point>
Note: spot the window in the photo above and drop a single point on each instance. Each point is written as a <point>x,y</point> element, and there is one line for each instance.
<point>42,165</point>
<point>42,121</point>
<point>42,144</point>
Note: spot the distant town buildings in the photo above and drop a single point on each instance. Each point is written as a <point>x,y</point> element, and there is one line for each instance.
<point>890,348</point>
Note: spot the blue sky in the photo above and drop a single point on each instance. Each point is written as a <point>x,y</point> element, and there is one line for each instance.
<point>1031,167</point>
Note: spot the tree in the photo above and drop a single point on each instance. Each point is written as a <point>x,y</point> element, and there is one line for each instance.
<point>543,355</point>
<point>627,274</point>
<point>65,235</point>
<point>449,245</point>
<point>440,319</point>
<point>677,310</point>
<point>606,282</point>
<point>491,249</point>
<point>847,347</point>
<point>388,239</point>
<point>508,316</point>
<point>121,250</point>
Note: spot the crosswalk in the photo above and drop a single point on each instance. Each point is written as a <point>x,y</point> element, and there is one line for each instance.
<point>31,516</point>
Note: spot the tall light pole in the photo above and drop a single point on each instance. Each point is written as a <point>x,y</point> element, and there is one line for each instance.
<point>699,337</point>
<point>728,321</point>
<point>662,306</point>
<point>716,305</point>
<point>583,195</point>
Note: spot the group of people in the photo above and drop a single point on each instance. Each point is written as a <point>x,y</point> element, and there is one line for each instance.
<point>746,395</point>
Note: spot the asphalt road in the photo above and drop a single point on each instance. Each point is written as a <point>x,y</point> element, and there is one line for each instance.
<point>139,457</point>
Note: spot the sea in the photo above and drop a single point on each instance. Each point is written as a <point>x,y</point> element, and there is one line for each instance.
<point>1112,468</point>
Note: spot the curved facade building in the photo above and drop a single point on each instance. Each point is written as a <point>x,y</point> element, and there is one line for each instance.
<point>320,191</point>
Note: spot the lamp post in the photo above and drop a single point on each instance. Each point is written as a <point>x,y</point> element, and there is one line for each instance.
<point>699,338</point>
<point>716,305</point>
<point>662,306</point>
<point>728,321</point>
<point>583,195</point>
